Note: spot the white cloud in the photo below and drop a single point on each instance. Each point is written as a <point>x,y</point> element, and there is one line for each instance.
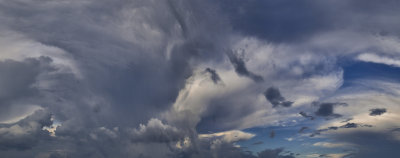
<point>331,145</point>
<point>229,136</point>
<point>18,47</point>
<point>374,58</point>
<point>366,95</point>
<point>334,155</point>
<point>16,113</point>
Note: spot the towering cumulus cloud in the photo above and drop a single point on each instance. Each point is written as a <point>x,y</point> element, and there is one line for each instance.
<point>199,78</point>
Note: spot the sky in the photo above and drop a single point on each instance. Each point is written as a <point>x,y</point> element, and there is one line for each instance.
<point>199,78</point>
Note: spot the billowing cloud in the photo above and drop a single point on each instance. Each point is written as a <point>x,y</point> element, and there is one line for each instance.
<point>156,131</point>
<point>26,133</point>
<point>100,79</point>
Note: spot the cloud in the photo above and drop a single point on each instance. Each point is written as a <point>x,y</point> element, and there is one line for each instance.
<point>281,26</point>
<point>273,153</point>
<point>275,98</point>
<point>258,143</point>
<point>367,141</point>
<point>240,67</point>
<point>274,24</point>
<point>19,77</point>
<point>214,76</point>
<point>229,136</point>
<point>302,129</point>
<point>122,78</point>
<point>331,145</point>
<point>350,125</point>
<point>26,133</point>
<point>370,57</point>
<point>347,120</point>
<point>335,155</point>
<point>302,113</point>
<point>377,111</point>
<point>326,110</point>
<point>272,134</point>
<point>118,90</point>
<point>19,86</point>
<point>345,126</point>
<point>156,131</point>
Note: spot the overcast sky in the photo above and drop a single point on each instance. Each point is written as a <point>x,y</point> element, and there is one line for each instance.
<point>199,78</point>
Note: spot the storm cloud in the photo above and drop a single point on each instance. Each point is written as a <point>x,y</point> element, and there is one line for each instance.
<point>192,79</point>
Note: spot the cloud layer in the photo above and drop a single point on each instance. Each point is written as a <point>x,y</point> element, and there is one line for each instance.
<point>195,79</point>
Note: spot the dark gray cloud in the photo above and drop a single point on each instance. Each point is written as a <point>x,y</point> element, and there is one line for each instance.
<point>273,153</point>
<point>327,109</point>
<point>223,112</point>
<point>130,73</point>
<point>350,125</point>
<point>273,95</point>
<point>124,78</point>
<point>18,84</point>
<point>240,67</point>
<point>279,21</point>
<point>396,130</point>
<point>258,143</point>
<point>302,113</point>
<point>264,19</point>
<point>135,56</point>
<point>371,144</point>
<point>347,125</point>
<point>26,133</point>
<point>302,129</point>
<point>347,120</point>
<point>272,134</point>
<point>350,155</point>
<point>377,111</point>
<point>18,76</point>
<point>214,76</point>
